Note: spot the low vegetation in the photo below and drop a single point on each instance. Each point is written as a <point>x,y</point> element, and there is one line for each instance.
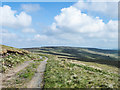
<point>67,67</point>
<point>12,57</point>
<point>7,49</point>
<point>24,76</point>
<point>101,56</point>
<point>61,73</point>
<point>74,67</point>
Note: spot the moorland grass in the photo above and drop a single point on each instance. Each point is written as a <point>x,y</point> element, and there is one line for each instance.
<point>60,73</point>
<point>13,59</point>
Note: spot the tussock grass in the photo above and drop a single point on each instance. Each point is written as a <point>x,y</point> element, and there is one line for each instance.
<point>12,60</point>
<point>60,73</point>
<point>7,49</point>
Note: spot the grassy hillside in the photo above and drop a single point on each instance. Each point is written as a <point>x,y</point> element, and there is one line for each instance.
<point>7,49</point>
<point>18,66</point>
<point>67,67</point>
<point>11,57</point>
<point>64,73</point>
<point>109,57</point>
<point>74,67</point>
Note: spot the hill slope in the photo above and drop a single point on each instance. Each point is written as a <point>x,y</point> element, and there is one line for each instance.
<point>74,67</point>
<point>67,67</point>
<point>18,67</point>
<point>109,57</point>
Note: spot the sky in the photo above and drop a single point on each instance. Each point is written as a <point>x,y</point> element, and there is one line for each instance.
<point>84,23</point>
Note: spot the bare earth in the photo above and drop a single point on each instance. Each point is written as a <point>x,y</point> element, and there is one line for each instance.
<point>36,81</point>
<point>15,70</point>
<point>10,74</point>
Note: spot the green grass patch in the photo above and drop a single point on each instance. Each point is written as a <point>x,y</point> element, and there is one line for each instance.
<point>13,59</point>
<point>63,74</point>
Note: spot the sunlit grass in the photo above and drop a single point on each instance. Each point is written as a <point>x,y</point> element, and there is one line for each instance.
<point>13,59</point>
<point>60,73</point>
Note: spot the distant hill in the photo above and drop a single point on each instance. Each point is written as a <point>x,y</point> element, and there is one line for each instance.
<point>76,50</point>
<point>103,56</point>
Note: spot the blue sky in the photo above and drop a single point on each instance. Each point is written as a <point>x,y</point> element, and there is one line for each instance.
<point>78,24</point>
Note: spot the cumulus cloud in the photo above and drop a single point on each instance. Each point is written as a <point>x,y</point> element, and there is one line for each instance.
<point>108,8</point>
<point>30,7</point>
<point>10,18</point>
<point>28,30</point>
<point>80,29</point>
<point>72,20</point>
<point>71,27</point>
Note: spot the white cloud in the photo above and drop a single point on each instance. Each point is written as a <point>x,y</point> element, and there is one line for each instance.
<point>28,30</point>
<point>10,18</point>
<point>47,40</point>
<point>5,34</point>
<point>71,20</point>
<point>8,38</point>
<point>71,27</point>
<point>30,7</point>
<point>40,37</point>
<point>108,8</point>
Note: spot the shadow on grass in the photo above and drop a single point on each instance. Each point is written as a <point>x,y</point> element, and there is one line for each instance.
<point>101,60</point>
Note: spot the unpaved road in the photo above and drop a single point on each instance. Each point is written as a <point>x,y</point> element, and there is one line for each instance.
<point>36,81</point>
<point>15,70</point>
<point>11,73</point>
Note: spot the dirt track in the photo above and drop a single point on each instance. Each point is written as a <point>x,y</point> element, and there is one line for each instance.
<point>15,70</point>
<point>36,81</point>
